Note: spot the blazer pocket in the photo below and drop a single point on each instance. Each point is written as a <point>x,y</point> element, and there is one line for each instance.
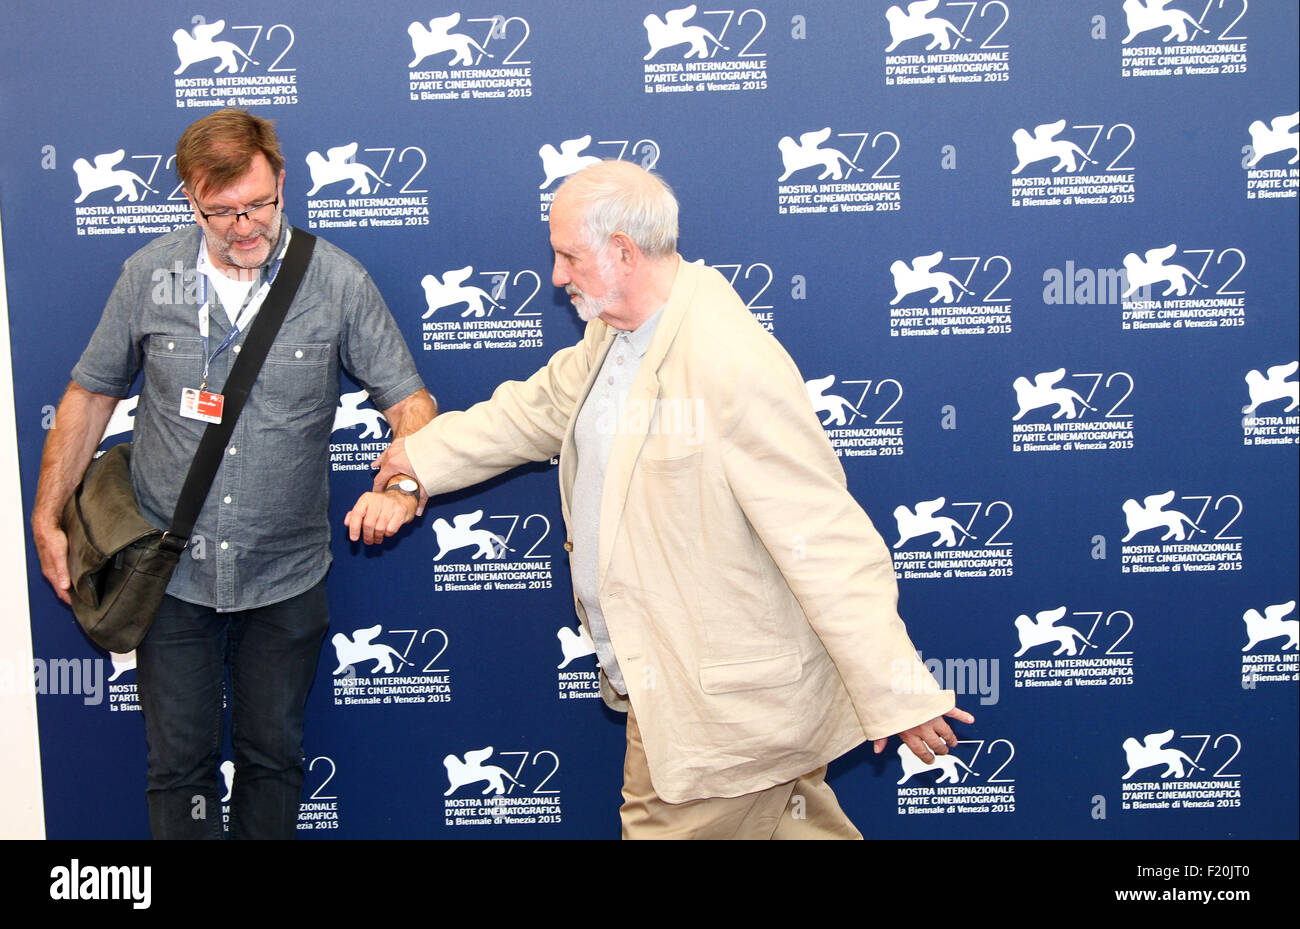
<point>750,673</point>
<point>679,465</point>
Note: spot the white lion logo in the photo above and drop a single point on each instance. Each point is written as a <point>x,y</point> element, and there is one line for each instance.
<point>807,153</point>
<point>574,645</point>
<point>1151,269</point>
<point>437,37</point>
<point>460,533</point>
<point>122,419</point>
<point>339,165</point>
<point>566,160</point>
<point>1278,136</point>
<point>1152,515</point>
<point>451,291</point>
<point>471,770</point>
<point>1270,625</point>
<point>923,522</point>
<point>201,45</point>
<point>1151,751</point>
<point>1273,386</point>
<point>350,413</point>
<point>227,769</point>
<point>947,764</point>
<point>122,662</point>
<point>915,23</point>
<point>834,405</point>
<point>1043,144</point>
<point>920,275</point>
<point>1042,630</point>
<point>104,174</point>
<point>1044,392</point>
<point>362,647</point>
<point>672,30</point>
<point>1151,14</point>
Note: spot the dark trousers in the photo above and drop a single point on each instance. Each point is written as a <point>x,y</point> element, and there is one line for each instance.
<point>181,669</point>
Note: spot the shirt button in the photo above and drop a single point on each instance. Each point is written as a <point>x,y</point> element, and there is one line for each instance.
<point>225,545</point>
<point>236,349</point>
<point>227,499</point>
<point>619,360</point>
<point>610,380</point>
<point>171,346</point>
<point>298,353</point>
<point>233,450</point>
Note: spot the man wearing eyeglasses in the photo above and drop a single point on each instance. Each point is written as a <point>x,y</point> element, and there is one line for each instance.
<point>249,594</point>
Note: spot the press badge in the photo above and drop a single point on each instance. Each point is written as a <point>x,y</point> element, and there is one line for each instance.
<point>201,405</point>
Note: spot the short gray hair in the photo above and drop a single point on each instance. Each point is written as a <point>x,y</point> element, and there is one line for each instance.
<point>619,196</point>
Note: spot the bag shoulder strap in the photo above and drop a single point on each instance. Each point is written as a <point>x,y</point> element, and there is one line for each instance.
<point>203,470</point>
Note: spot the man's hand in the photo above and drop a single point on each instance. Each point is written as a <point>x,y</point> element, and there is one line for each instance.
<point>379,514</point>
<point>930,738</point>
<point>393,463</point>
<point>52,549</point>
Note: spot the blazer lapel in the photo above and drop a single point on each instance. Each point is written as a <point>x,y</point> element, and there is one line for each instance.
<point>626,448</point>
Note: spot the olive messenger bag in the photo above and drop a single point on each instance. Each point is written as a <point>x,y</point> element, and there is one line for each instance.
<point>118,562</point>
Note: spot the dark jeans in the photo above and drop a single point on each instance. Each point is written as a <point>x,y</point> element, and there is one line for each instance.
<point>180,671</point>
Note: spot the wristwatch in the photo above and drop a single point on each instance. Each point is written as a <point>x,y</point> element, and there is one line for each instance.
<point>405,486</point>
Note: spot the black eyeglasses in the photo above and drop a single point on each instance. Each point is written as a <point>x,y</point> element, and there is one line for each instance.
<point>230,218</point>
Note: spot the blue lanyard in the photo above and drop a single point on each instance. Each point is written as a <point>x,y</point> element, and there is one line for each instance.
<point>250,306</point>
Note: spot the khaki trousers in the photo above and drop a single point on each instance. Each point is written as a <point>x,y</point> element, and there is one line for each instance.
<point>804,808</point>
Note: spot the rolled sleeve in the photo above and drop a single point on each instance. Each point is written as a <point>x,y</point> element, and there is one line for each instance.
<point>373,350</point>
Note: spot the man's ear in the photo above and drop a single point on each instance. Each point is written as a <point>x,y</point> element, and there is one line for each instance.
<point>625,250</point>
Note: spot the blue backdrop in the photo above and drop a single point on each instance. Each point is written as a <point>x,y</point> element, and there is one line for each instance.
<point>1037,262</point>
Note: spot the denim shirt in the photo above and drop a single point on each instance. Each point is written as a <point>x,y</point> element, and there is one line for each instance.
<point>263,534</point>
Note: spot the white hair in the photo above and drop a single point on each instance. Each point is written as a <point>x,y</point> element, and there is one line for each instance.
<point>619,196</point>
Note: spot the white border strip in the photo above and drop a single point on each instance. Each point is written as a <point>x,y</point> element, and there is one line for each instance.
<point>22,809</point>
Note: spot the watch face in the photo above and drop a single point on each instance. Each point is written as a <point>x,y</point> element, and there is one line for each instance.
<point>407,486</point>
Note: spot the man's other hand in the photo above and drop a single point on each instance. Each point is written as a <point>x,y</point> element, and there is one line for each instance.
<point>930,738</point>
<point>378,515</point>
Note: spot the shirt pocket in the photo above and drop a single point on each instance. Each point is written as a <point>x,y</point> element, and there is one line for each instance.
<point>171,365</point>
<point>295,376</point>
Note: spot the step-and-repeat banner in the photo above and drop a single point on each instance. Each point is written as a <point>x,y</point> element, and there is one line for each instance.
<point>1036,261</point>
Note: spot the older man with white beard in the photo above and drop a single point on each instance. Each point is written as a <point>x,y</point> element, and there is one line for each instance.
<point>742,605</point>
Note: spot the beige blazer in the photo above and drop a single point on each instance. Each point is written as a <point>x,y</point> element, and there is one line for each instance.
<point>751,604</point>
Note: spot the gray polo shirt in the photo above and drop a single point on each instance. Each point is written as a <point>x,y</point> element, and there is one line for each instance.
<point>601,418</point>
<point>263,535</point>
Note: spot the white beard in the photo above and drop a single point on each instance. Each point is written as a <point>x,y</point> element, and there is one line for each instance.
<point>589,307</point>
